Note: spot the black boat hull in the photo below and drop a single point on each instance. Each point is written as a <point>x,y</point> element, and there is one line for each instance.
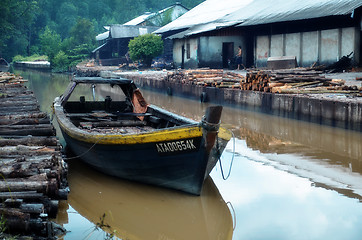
<point>180,170</point>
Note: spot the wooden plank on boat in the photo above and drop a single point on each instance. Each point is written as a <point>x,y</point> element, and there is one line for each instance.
<point>121,123</point>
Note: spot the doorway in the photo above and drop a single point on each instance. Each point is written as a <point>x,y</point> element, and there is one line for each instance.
<point>227,54</point>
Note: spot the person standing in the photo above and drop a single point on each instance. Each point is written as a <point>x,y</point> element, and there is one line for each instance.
<point>239,58</point>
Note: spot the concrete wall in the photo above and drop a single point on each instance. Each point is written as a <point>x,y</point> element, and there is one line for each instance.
<point>277,45</point>
<point>262,50</point>
<point>332,112</point>
<point>204,51</point>
<point>309,48</point>
<point>211,49</point>
<point>191,62</point>
<point>325,46</point>
<point>329,46</point>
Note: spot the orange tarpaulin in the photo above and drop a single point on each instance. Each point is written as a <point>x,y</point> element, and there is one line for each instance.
<point>139,103</point>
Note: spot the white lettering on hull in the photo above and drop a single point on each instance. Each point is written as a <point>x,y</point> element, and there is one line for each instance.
<point>176,146</point>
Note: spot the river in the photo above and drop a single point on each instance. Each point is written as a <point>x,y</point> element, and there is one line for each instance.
<point>288,180</point>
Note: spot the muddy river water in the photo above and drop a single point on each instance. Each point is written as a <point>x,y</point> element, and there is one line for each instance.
<point>287,179</point>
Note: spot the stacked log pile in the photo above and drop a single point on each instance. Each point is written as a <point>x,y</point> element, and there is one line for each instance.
<point>299,80</point>
<point>303,80</point>
<point>207,77</point>
<point>33,174</point>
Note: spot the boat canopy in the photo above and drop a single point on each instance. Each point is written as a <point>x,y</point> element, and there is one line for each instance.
<point>100,80</point>
<point>128,87</point>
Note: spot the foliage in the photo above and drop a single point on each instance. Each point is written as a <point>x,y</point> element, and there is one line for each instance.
<point>65,54</point>
<point>60,62</point>
<point>79,53</point>
<point>50,43</point>
<point>83,32</point>
<point>2,225</point>
<point>3,228</point>
<point>30,27</point>
<point>145,48</point>
<point>105,227</point>
<point>15,26</point>
<point>34,57</point>
<point>161,19</point>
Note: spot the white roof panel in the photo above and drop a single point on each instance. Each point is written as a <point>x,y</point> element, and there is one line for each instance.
<point>206,12</point>
<point>139,20</point>
<point>213,14</point>
<point>102,36</point>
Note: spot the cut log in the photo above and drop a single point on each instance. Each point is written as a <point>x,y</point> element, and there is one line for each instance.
<point>46,131</point>
<point>47,187</point>
<point>28,195</point>
<point>22,115</point>
<point>29,141</point>
<point>33,121</point>
<point>19,109</point>
<point>26,150</point>
<point>26,226</point>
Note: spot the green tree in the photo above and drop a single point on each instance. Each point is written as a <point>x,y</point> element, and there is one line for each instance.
<point>60,62</point>
<point>145,48</point>
<point>16,18</point>
<point>83,32</point>
<point>50,43</point>
<point>66,17</point>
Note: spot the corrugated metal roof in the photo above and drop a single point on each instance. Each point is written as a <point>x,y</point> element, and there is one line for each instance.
<point>213,14</point>
<point>280,11</point>
<point>140,19</point>
<point>102,36</point>
<point>101,46</point>
<point>124,31</point>
<point>148,15</point>
<point>205,13</point>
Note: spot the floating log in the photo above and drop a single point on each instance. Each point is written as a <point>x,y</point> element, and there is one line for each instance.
<point>27,169</point>
<point>19,109</point>
<point>25,130</point>
<point>33,121</point>
<point>47,187</point>
<point>26,150</point>
<point>28,195</point>
<point>29,141</point>
<point>33,172</point>
<point>21,115</point>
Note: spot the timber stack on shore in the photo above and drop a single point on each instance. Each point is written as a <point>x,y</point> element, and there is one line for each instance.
<point>294,81</point>
<point>207,77</point>
<point>299,80</point>
<point>33,173</point>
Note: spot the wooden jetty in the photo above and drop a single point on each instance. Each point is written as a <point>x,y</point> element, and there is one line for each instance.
<point>32,170</point>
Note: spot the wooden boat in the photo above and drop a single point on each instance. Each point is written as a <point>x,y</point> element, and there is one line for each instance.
<point>114,130</point>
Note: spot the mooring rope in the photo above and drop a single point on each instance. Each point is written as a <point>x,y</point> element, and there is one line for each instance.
<point>79,156</point>
<point>232,159</point>
<point>234,214</point>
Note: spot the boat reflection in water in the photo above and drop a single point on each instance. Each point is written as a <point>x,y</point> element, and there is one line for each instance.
<point>139,211</point>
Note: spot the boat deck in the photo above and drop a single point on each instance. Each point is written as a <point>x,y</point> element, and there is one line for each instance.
<point>93,118</point>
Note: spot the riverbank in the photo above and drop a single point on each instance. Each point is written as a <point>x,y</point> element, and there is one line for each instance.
<point>32,168</point>
<point>39,65</point>
<point>336,108</point>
